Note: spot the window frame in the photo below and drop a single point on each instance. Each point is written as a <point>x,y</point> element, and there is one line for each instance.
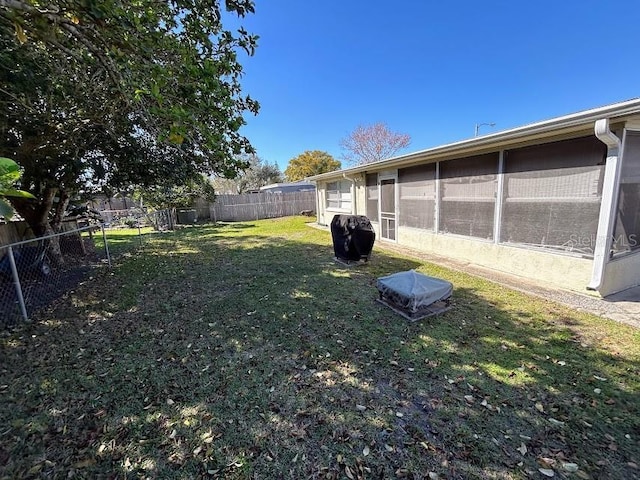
<point>344,200</point>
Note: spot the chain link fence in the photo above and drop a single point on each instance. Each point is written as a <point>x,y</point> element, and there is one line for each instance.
<point>36,272</point>
<point>138,218</point>
<point>33,273</point>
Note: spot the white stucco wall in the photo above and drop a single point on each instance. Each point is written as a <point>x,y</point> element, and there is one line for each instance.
<point>563,271</point>
<point>360,194</point>
<point>358,199</point>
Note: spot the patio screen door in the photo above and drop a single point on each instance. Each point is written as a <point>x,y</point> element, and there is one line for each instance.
<point>388,208</point>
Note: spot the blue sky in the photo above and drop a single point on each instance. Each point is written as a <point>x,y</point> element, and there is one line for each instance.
<point>430,69</point>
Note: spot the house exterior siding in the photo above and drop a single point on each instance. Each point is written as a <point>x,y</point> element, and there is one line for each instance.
<point>526,203</point>
<point>565,271</point>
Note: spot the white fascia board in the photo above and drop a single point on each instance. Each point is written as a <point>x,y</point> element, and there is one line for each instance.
<point>583,120</point>
<point>287,184</point>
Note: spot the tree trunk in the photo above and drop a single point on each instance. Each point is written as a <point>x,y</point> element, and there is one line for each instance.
<point>54,246</point>
<point>61,207</point>
<point>36,214</point>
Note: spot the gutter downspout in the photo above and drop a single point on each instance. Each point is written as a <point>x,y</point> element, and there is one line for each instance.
<point>353,193</point>
<point>608,204</point>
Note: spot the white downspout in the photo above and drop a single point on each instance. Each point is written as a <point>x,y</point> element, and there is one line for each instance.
<point>608,205</point>
<point>354,211</point>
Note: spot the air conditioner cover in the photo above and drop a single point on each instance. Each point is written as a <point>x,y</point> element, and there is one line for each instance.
<point>413,291</point>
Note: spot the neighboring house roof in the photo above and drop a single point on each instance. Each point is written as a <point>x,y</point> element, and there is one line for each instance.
<point>574,122</point>
<point>288,187</point>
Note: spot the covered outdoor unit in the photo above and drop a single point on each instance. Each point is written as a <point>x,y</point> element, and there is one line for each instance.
<point>353,237</point>
<point>414,295</point>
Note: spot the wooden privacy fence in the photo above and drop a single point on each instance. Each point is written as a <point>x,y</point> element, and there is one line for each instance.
<point>13,232</point>
<point>18,231</point>
<point>254,206</point>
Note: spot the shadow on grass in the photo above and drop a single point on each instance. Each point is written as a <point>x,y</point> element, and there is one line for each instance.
<point>235,353</point>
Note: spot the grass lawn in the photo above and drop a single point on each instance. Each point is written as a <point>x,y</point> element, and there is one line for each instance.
<point>122,240</point>
<point>244,351</point>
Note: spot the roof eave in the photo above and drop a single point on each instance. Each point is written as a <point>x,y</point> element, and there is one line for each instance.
<point>558,124</point>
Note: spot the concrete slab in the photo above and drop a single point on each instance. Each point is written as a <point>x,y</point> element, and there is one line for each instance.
<point>627,301</point>
<point>631,295</point>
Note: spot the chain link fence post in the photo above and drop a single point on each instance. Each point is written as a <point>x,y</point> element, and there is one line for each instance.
<point>16,282</point>
<point>106,245</point>
<point>30,282</point>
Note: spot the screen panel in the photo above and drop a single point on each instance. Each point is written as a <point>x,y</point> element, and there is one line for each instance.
<point>372,196</point>
<point>627,230</point>
<point>417,192</point>
<point>388,196</point>
<point>552,195</point>
<point>333,195</point>
<point>468,195</point>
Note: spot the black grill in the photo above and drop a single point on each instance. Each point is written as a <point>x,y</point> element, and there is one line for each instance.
<point>353,237</point>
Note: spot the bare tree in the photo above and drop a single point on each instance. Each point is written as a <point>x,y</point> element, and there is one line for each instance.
<point>372,143</point>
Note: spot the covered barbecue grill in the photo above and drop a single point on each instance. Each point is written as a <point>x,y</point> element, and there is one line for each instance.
<point>353,237</point>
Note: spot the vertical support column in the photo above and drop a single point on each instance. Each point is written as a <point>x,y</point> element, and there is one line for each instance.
<point>497,219</point>
<point>436,216</point>
<point>318,194</point>
<point>354,193</point>
<point>16,282</point>
<point>323,200</point>
<point>379,187</point>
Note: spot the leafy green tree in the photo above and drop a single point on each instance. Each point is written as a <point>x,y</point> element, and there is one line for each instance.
<point>9,175</point>
<point>258,174</point>
<point>63,134</point>
<point>177,196</point>
<point>311,162</point>
<point>99,94</point>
